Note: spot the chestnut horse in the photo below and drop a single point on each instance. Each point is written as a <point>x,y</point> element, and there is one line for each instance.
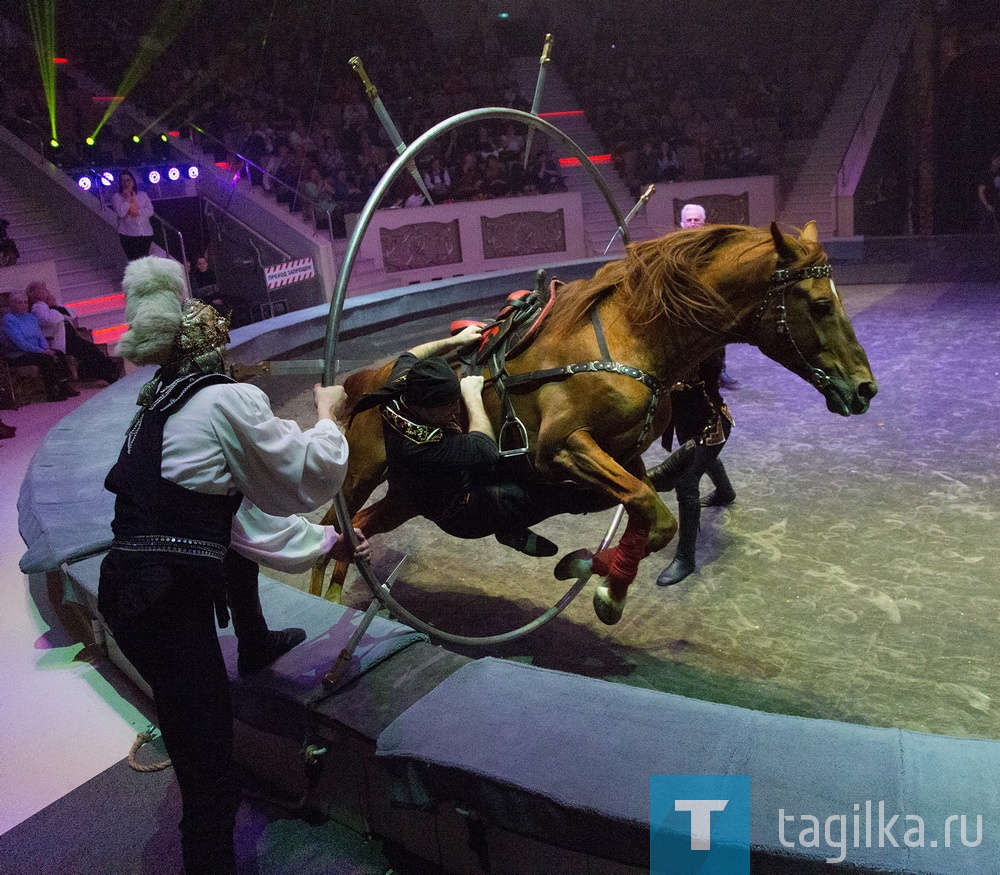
<point>661,309</point>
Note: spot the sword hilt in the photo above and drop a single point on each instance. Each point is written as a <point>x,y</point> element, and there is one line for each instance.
<point>546,49</point>
<point>359,68</point>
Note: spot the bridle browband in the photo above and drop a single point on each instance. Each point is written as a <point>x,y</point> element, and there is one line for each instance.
<point>781,280</point>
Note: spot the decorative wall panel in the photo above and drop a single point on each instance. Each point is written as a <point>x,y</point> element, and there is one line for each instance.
<point>422,244</point>
<point>528,233</point>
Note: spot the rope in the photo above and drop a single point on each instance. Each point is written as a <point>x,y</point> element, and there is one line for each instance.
<point>141,739</point>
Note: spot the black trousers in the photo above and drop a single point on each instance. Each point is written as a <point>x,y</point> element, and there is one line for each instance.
<point>54,370</point>
<point>135,247</point>
<point>173,644</point>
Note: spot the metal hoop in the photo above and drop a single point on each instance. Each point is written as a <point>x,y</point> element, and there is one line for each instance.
<point>378,589</point>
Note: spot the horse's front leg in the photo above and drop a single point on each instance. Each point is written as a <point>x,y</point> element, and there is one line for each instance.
<point>650,523</point>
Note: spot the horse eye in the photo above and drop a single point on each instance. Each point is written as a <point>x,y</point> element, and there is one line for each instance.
<point>821,307</point>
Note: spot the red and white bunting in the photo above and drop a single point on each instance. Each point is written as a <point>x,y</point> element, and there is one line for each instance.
<point>278,275</point>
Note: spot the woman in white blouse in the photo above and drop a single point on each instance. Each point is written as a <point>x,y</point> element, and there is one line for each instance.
<point>134,210</point>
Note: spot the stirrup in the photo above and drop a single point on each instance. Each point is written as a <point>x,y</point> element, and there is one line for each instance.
<point>513,423</point>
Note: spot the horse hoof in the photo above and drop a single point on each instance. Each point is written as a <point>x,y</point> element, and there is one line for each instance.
<point>607,609</point>
<point>574,565</point>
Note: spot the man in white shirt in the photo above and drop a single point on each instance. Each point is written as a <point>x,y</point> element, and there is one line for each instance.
<point>201,446</point>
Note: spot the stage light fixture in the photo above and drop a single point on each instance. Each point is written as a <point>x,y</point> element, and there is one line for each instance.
<point>193,172</point>
<point>84,183</point>
<point>136,138</point>
<point>90,141</point>
<point>154,177</point>
<point>54,143</point>
<point>174,174</point>
<point>163,137</point>
<point>107,178</point>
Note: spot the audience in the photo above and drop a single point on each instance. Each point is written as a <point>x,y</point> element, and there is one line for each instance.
<point>25,344</point>
<point>63,334</point>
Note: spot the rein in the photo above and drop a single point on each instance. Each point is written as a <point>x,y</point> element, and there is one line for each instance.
<point>782,280</point>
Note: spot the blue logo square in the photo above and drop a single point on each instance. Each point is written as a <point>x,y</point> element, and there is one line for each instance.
<point>699,824</point>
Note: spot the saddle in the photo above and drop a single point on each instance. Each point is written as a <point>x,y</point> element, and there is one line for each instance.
<point>504,339</point>
<point>515,325</point>
<point>512,332</point>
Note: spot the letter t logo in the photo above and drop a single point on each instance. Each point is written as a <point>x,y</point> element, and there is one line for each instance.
<point>701,819</point>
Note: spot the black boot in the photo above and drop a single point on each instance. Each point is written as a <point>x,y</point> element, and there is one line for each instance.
<point>724,494</point>
<point>260,652</point>
<point>258,645</point>
<point>527,542</point>
<point>683,563</point>
<point>664,476</point>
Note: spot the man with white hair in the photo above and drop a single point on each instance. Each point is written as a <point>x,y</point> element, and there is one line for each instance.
<point>692,216</point>
<point>200,445</point>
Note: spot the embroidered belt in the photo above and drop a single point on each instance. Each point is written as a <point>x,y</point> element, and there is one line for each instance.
<point>170,544</point>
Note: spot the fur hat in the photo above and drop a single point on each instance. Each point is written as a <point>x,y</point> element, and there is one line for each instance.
<point>164,329</point>
<point>154,292</point>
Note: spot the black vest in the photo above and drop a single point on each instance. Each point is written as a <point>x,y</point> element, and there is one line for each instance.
<point>159,524</point>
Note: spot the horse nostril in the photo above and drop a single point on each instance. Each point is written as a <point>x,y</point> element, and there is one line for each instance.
<point>868,389</point>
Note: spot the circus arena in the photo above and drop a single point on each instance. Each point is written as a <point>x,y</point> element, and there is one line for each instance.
<point>346,181</point>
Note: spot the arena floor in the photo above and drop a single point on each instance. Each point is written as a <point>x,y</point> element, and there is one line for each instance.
<point>853,579</point>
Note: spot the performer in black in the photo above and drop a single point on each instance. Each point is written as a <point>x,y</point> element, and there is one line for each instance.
<point>200,443</point>
<point>699,413</point>
<point>450,474</point>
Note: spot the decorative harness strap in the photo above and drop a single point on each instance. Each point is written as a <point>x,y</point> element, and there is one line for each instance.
<point>415,432</point>
<point>781,280</point>
<point>504,381</point>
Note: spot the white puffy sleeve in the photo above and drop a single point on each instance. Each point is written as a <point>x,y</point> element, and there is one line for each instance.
<point>226,438</point>
<point>278,466</point>
<point>291,544</point>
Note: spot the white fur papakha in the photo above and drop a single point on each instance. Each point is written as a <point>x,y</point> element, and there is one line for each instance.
<point>154,292</point>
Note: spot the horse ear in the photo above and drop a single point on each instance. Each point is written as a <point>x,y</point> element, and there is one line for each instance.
<point>810,233</point>
<point>785,251</point>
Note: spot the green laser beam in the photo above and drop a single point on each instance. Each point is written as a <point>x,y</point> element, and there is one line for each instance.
<point>42,16</point>
<point>170,20</point>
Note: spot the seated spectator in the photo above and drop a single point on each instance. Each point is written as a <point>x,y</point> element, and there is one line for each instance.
<point>668,163</point>
<point>6,431</point>
<point>494,178</point>
<point>545,173</point>
<point>511,144</point>
<point>25,344</point>
<point>438,180</point>
<point>202,275</point>
<point>469,181</point>
<point>647,167</point>
<point>204,285</point>
<point>319,190</point>
<point>347,192</point>
<point>64,335</point>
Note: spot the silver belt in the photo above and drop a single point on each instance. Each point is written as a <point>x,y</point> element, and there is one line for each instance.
<point>170,544</point>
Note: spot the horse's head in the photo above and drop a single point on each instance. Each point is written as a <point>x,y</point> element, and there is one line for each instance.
<point>802,325</point>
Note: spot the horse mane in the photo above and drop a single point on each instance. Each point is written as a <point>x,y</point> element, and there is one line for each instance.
<point>662,277</point>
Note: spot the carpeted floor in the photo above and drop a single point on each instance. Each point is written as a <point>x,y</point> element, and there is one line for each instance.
<point>853,579</point>
<point>124,822</point>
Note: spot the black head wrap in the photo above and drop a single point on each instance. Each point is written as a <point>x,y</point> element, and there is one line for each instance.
<point>429,382</point>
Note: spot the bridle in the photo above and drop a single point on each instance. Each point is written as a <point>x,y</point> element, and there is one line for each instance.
<point>781,280</point>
